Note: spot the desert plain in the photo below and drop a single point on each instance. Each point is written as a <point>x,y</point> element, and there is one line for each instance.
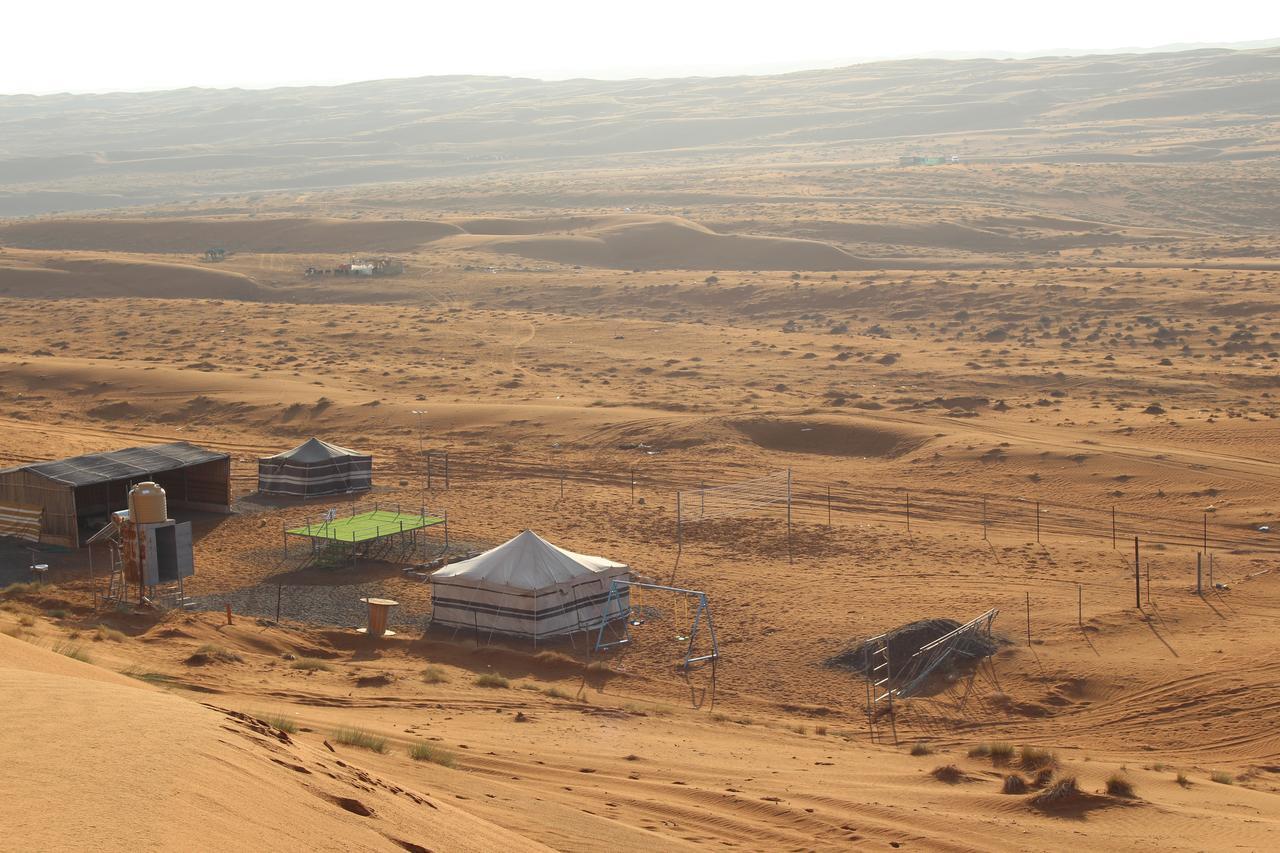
<point>982,379</point>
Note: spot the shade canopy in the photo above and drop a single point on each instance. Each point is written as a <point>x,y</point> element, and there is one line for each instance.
<point>525,587</point>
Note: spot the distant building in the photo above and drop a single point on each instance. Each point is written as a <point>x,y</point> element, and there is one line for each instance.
<point>918,160</point>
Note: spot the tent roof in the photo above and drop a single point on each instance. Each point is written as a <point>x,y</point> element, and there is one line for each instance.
<point>526,562</point>
<point>128,464</point>
<point>315,450</point>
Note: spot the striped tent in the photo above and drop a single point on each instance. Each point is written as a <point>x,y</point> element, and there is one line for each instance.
<point>315,468</point>
<point>21,521</point>
<point>526,587</point>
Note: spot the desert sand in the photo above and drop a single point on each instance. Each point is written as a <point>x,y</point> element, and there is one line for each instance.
<point>966,368</point>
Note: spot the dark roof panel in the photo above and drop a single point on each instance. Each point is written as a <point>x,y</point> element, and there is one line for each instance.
<point>129,464</point>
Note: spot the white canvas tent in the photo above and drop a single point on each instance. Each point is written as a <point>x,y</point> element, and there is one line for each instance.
<point>313,468</point>
<point>525,587</point>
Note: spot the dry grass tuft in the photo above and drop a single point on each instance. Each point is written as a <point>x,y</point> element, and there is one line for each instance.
<point>921,748</point>
<point>434,675</point>
<point>1014,784</point>
<point>433,754</point>
<point>310,665</point>
<point>1222,777</point>
<point>1059,793</point>
<point>491,679</point>
<point>210,653</point>
<point>1118,786</point>
<point>1035,758</point>
<point>103,633</point>
<point>361,738</point>
<point>74,651</point>
<point>281,722</point>
<point>948,773</point>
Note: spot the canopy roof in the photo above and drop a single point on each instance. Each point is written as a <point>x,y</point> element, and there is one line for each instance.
<point>526,562</point>
<point>133,463</point>
<point>314,450</point>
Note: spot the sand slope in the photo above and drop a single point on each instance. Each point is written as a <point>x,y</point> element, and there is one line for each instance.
<point>94,760</point>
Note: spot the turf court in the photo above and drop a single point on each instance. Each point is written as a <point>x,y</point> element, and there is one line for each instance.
<point>366,526</point>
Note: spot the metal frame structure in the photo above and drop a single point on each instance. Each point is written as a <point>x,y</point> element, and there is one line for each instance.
<point>704,607</point>
<point>404,527</point>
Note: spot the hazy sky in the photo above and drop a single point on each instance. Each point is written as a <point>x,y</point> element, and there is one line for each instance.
<point>56,45</point>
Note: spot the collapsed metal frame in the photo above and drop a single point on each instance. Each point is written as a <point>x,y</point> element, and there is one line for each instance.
<point>704,607</point>
<point>923,663</point>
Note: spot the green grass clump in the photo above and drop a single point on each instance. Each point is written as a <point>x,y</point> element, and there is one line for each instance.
<point>1035,758</point>
<point>434,754</point>
<point>1222,777</point>
<point>281,722</point>
<point>921,748</point>
<point>57,613</point>
<point>434,675</point>
<point>1060,792</point>
<point>361,739</point>
<point>1118,786</point>
<point>74,651</point>
<point>491,679</point>
<point>310,665</point>
<point>211,653</point>
<point>103,633</point>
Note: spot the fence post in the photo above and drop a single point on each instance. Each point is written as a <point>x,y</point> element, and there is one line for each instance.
<point>1137,575</point>
<point>679,526</point>
<point>1199,589</point>
<point>1205,546</point>
<point>279,593</point>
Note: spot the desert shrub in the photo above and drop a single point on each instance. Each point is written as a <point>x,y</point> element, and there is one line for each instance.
<point>982,750</point>
<point>1118,786</point>
<point>556,693</point>
<point>548,658</point>
<point>491,679</point>
<point>1222,777</point>
<point>1058,793</point>
<point>921,748</point>
<point>1034,758</point>
<point>210,653</point>
<point>1043,777</point>
<point>57,613</point>
<point>310,665</point>
<point>434,754</point>
<point>1001,753</point>
<point>1014,784</point>
<point>434,675</point>
<point>1183,780</point>
<point>820,730</point>
<point>15,589</point>
<point>26,621</point>
<point>361,739</point>
<point>948,773</point>
<point>102,633</point>
<point>73,650</point>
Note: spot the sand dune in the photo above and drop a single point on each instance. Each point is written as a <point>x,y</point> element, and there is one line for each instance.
<point>114,277</point>
<point>147,769</point>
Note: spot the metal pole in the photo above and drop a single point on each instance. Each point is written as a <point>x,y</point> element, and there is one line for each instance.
<point>1028,618</point>
<point>1199,589</point>
<point>1137,576</point>
<point>790,557</point>
<point>1205,546</point>
<point>679,526</point>
<point>1211,585</point>
<point>279,592</point>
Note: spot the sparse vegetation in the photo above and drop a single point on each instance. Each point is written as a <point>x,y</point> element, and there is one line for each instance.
<point>26,621</point>
<point>281,722</point>
<point>948,773</point>
<point>1014,784</point>
<point>921,748</point>
<point>310,665</point>
<point>1183,780</point>
<point>56,613</point>
<point>361,738</point>
<point>556,693</point>
<point>1035,758</point>
<point>103,633</point>
<point>434,754</point>
<point>16,589</point>
<point>73,650</point>
<point>492,679</point>
<point>1058,793</point>
<point>1119,786</point>
<point>434,675</point>
<point>211,653</point>
<point>1222,777</point>
<point>149,677</point>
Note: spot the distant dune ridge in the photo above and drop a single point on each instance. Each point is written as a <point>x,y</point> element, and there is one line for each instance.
<point>195,143</point>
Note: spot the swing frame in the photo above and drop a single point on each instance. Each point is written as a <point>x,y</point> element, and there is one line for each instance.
<point>614,610</point>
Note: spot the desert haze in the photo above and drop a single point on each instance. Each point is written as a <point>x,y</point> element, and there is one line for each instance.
<point>855,357</point>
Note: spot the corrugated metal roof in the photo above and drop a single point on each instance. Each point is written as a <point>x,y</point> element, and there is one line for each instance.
<point>133,463</point>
